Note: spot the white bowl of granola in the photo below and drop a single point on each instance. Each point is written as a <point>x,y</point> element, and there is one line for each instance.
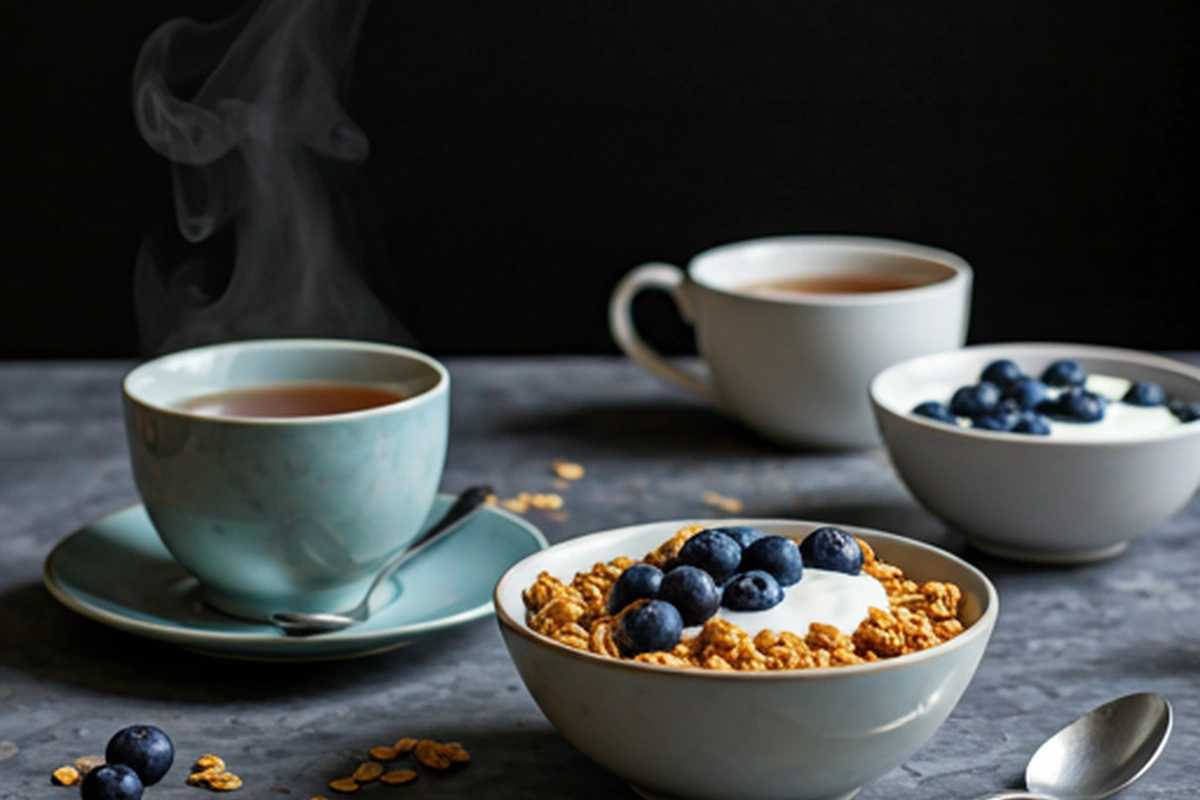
<point>813,715</point>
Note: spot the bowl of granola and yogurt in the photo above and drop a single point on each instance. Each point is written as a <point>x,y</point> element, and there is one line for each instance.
<point>835,678</point>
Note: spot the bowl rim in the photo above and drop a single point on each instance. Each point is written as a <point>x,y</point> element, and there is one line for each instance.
<point>1126,355</point>
<point>982,627</point>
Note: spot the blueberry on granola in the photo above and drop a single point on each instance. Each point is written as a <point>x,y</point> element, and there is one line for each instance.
<point>693,593</point>
<point>752,591</point>
<point>832,549</point>
<point>1064,373</point>
<point>1001,372</point>
<point>1025,392</point>
<point>143,748</point>
<point>740,534</point>
<point>777,555</point>
<point>655,625</point>
<point>1184,411</point>
<point>111,782</point>
<point>974,401</point>
<point>714,552</point>
<point>934,410</point>
<point>639,582</point>
<point>1145,393</point>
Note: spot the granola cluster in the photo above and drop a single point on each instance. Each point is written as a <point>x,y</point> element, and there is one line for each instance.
<point>920,616</point>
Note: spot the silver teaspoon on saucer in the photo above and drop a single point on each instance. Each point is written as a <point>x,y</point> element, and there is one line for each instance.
<point>296,623</point>
<point>1100,753</point>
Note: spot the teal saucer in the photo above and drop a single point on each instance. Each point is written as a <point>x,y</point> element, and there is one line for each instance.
<point>117,572</point>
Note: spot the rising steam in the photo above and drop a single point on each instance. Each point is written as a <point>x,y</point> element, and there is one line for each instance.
<point>254,146</point>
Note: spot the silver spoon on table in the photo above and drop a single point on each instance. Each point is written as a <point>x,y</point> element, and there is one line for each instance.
<point>298,623</point>
<point>1102,752</point>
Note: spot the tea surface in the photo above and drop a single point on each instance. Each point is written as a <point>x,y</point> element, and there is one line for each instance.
<point>832,284</point>
<point>291,400</point>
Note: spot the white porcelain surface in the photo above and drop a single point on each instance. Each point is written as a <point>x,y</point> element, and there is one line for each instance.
<point>796,735</point>
<point>796,369</point>
<point>1039,498</point>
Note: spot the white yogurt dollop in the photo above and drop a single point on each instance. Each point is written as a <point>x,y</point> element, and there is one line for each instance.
<point>1121,420</point>
<point>831,598</point>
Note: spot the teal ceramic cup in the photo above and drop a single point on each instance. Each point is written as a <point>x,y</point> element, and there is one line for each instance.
<point>287,513</point>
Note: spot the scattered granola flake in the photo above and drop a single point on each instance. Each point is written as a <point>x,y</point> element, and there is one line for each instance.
<point>567,470</point>
<point>319,797</point>
<point>491,499</point>
<point>384,753</point>
<point>546,502</point>
<point>201,778</point>
<point>432,754</point>
<point>405,746</point>
<point>344,785</point>
<point>224,782</point>
<point>86,764</point>
<point>559,516</point>
<point>207,762</point>
<point>729,504</point>
<point>456,752</point>
<point>559,485</point>
<point>65,776</point>
<point>368,771</point>
<point>518,504</point>
<point>398,776</point>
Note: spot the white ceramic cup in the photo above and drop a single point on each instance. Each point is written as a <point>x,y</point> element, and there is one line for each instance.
<point>795,368</point>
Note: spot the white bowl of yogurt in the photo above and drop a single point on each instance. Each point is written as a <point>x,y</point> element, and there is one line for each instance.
<point>1079,494</point>
<point>700,734</point>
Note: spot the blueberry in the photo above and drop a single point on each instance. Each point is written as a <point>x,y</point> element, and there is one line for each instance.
<point>1064,373</point>
<point>832,549</point>
<point>693,592</point>
<point>653,626</point>
<point>714,552</point>
<point>111,782</point>
<point>1076,405</point>
<point>1027,393</point>
<point>143,748</point>
<point>974,401</point>
<point>1001,372</point>
<point>935,410</point>
<point>752,591</point>
<point>777,555</point>
<point>641,581</point>
<point>1003,418</point>
<point>1185,411</point>
<point>1033,423</point>
<point>1145,393</point>
<point>742,535</point>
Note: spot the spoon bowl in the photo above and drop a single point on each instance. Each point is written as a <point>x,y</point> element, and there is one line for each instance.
<point>1103,751</point>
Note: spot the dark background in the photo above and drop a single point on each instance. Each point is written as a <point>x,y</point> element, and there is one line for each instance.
<point>526,154</point>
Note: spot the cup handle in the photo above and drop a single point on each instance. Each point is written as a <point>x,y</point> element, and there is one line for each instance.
<point>670,279</point>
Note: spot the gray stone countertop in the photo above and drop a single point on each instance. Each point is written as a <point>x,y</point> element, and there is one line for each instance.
<point>1067,640</point>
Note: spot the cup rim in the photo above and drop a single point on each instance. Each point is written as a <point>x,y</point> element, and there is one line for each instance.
<point>963,273</point>
<point>884,405</point>
<point>440,387</point>
<point>982,627</point>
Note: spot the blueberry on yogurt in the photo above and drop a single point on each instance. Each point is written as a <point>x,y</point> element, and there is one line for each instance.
<point>752,591</point>
<point>1003,418</point>
<point>974,401</point>
<point>1184,411</point>
<point>639,582</point>
<point>777,555</point>
<point>832,549</point>
<point>935,411</point>
<point>656,625</point>
<point>1027,393</point>
<point>716,553</point>
<point>1145,393</point>
<point>740,534</point>
<point>1032,423</point>
<point>1064,373</point>
<point>693,593</point>
<point>1001,372</point>
<point>1076,405</point>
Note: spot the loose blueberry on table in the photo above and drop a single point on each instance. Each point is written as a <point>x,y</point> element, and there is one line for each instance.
<point>143,748</point>
<point>111,782</point>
